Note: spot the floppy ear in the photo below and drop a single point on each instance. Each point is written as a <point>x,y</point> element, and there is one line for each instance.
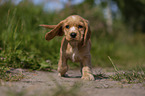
<point>56,30</point>
<point>87,34</point>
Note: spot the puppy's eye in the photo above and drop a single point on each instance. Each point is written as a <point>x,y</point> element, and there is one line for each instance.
<point>67,26</point>
<point>80,26</point>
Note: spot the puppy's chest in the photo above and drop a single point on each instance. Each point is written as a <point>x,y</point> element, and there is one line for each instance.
<point>73,54</point>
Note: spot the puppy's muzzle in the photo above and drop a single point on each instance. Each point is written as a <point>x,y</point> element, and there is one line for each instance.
<point>73,35</point>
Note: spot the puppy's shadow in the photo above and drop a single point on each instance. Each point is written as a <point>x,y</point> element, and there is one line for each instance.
<point>70,76</point>
<point>100,76</point>
<point>97,76</point>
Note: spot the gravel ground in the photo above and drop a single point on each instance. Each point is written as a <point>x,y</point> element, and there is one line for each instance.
<point>39,83</point>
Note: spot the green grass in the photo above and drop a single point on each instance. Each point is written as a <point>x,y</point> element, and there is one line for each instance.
<point>129,77</point>
<point>135,76</point>
<point>6,76</point>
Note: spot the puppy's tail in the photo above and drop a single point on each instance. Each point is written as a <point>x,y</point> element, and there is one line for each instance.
<point>48,26</point>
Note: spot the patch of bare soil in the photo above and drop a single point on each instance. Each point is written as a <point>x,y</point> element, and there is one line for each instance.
<point>39,83</point>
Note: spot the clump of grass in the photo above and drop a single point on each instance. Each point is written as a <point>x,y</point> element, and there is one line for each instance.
<point>129,77</point>
<point>19,59</point>
<point>64,91</point>
<point>135,76</point>
<point>4,75</point>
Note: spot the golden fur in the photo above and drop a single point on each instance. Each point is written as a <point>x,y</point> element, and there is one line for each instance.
<point>76,49</point>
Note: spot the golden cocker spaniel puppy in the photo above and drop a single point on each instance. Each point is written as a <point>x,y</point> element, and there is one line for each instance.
<point>75,45</point>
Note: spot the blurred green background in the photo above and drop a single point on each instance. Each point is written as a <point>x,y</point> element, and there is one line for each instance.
<point>118,31</point>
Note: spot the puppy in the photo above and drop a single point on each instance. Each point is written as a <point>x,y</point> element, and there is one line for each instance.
<point>75,45</point>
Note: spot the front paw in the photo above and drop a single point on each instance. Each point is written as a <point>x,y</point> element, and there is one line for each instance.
<point>88,77</point>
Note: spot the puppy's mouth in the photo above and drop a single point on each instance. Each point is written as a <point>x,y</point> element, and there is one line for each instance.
<point>73,39</point>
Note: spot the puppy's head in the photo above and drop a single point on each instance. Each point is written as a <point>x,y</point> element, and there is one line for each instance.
<point>75,29</point>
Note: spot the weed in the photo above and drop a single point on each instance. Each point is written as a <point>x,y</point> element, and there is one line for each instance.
<point>135,76</point>
<point>129,77</point>
<point>4,75</point>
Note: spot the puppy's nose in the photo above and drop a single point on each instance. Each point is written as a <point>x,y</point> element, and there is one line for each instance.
<point>73,35</point>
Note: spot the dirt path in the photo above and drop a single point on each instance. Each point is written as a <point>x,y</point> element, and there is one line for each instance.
<point>40,83</point>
